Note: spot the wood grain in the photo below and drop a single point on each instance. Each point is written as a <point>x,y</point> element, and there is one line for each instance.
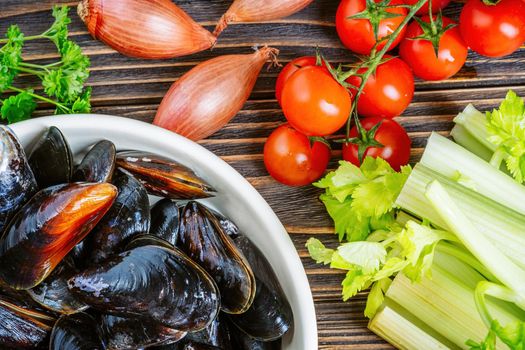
<point>134,88</point>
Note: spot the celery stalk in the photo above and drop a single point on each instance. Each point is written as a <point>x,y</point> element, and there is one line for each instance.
<point>487,253</point>
<point>475,123</point>
<point>462,137</point>
<point>503,226</point>
<point>444,156</point>
<point>445,304</point>
<point>404,331</point>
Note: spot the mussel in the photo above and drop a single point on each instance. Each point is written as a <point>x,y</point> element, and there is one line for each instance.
<point>53,293</point>
<point>216,335</point>
<point>153,283</point>
<point>165,217</point>
<point>242,341</point>
<point>98,164</point>
<point>204,240</point>
<point>121,333</point>
<point>129,215</point>
<point>51,159</point>
<point>17,182</point>
<point>75,332</point>
<point>163,176</point>
<point>42,233</point>
<point>148,239</point>
<point>22,328</point>
<point>270,315</point>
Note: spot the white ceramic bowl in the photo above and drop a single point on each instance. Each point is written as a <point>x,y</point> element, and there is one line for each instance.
<point>236,199</point>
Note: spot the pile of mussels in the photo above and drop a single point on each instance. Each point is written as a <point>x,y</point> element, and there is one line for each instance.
<point>85,263</point>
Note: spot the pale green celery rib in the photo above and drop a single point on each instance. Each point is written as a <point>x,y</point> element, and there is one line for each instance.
<point>404,331</point>
<point>465,139</point>
<point>475,123</point>
<point>447,305</point>
<point>504,227</point>
<point>448,158</point>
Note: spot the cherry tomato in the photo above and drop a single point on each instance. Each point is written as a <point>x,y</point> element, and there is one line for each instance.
<point>391,135</point>
<point>290,69</point>
<point>436,6</point>
<point>387,92</point>
<point>421,57</point>
<point>493,30</point>
<point>357,34</point>
<point>292,160</point>
<point>314,103</point>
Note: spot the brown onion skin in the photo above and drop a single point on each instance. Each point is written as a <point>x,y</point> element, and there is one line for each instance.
<point>259,10</point>
<point>149,29</point>
<point>207,97</point>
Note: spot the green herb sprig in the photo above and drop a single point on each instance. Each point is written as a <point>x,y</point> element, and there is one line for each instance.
<point>63,81</point>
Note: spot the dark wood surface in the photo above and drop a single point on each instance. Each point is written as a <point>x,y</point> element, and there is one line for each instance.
<point>133,88</point>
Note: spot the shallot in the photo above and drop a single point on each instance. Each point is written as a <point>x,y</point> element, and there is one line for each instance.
<point>210,95</point>
<point>259,10</point>
<point>151,29</point>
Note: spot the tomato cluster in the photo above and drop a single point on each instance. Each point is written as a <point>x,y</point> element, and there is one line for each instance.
<point>318,100</point>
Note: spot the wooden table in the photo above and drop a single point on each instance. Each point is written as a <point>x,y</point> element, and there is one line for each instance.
<point>133,88</point>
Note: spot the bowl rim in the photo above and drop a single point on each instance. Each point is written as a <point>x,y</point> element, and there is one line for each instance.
<point>91,123</point>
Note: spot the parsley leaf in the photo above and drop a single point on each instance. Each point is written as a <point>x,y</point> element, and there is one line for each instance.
<point>18,107</point>
<point>80,105</point>
<point>58,31</point>
<point>10,57</point>
<point>506,126</point>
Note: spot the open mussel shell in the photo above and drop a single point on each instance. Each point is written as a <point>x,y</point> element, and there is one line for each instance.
<point>98,164</point>
<point>151,282</point>
<point>165,218</point>
<point>53,293</point>
<point>270,315</point>
<point>121,333</point>
<point>17,182</point>
<point>216,335</point>
<point>163,176</point>
<point>128,216</point>
<point>75,332</point>
<point>51,159</point>
<point>22,328</point>
<point>43,232</point>
<point>204,240</point>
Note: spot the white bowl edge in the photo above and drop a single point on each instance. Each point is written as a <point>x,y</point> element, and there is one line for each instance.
<point>83,130</point>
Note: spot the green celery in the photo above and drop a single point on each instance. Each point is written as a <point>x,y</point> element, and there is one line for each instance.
<point>503,226</point>
<point>404,331</point>
<point>464,138</point>
<point>510,274</point>
<point>447,158</point>
<point>475,123</point>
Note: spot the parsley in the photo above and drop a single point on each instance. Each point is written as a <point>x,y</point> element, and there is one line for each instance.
<point>63,81</point>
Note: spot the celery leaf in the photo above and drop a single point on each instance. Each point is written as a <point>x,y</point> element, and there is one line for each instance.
<point>367,255</point>
<point>319,252</point>
<point>376,296</point>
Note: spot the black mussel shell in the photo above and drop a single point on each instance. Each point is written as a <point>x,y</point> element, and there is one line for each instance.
<point>270,315</point>
<point>75,332</point>
<point>229,227</point>
<point>193,345</point>
<point>22,328</point>
<point>43,232</point>
<point>126,333</point>
<point>165,218</point>
<point>53,292</point>
<point>153,283</point>
<point>215,335</point>
<point>148,239</point>
<point>51,159</point>
<point>242,341</point>
<point>163,176</point>
<point>17,182</point>
<point>129,216</point>
<point>204,240</point>
<point>98,164</point>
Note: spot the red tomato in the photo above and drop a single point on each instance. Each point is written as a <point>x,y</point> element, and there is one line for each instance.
<point>290,69</point>
<point>391,135</point>
<point>357,34</point>
<point>387,92</point>
<point>421,57</point>
<point>314,103</point>
<point>493,30</point>
<point>292,160</point>
<point>436,6</point>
